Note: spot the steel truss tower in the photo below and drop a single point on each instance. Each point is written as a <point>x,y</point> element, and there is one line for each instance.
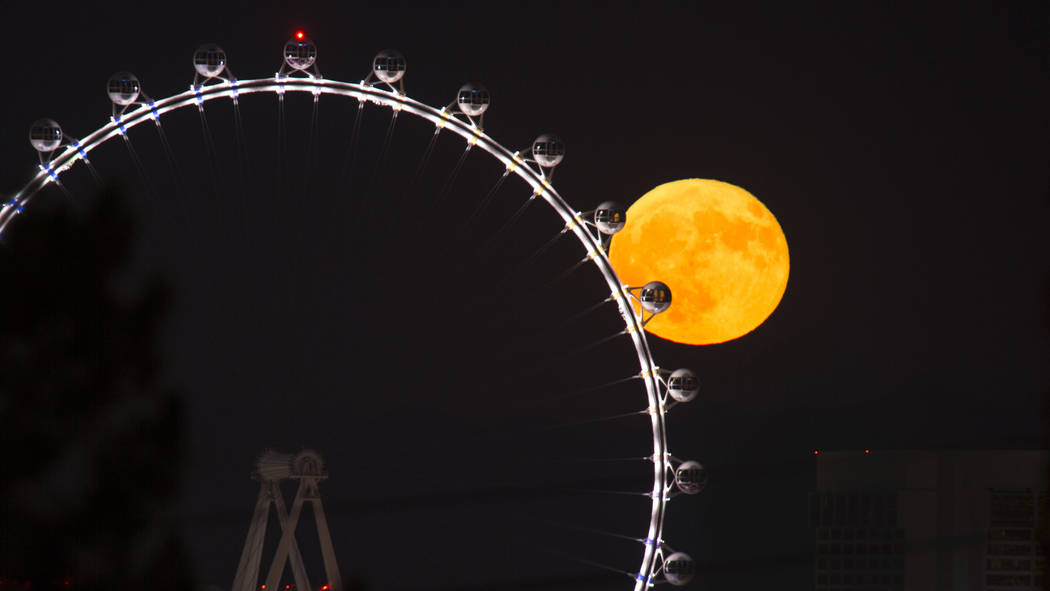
<point>308,468</point>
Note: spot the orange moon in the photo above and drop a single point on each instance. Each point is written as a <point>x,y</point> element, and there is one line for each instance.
<point>716,246</point>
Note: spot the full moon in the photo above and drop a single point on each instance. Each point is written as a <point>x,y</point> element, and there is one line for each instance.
<point>716,246</point>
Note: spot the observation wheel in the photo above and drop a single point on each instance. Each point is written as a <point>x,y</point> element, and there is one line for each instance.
<point>463,117</point>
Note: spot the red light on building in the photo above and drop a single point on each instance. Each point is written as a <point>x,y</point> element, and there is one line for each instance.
<point>816,452</point>
<point>867,451</point>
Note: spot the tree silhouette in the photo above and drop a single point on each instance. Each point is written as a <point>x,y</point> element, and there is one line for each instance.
<point>92,440</point>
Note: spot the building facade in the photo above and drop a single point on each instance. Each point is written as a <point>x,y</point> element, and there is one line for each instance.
<point>929,521</point>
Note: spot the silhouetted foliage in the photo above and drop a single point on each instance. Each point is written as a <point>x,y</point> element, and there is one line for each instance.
<point>92,440</point>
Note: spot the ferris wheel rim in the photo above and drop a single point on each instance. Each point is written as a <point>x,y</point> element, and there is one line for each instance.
<point>153,110</point>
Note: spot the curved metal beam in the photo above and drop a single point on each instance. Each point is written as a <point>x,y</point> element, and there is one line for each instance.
<point>472,134</point>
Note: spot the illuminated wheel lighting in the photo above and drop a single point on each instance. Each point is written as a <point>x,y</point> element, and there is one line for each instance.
<point>664,389</point>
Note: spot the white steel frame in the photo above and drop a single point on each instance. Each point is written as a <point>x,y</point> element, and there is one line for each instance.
<point>663,467</point>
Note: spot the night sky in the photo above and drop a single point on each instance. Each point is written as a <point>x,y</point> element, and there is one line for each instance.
<point>903,150</point>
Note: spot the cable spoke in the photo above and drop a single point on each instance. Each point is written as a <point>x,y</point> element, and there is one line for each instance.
<point>486,200</point>
<point>241,137</point>
<point>590,530</point>
<point>546,365</point>
<point>94,173</point>
<point>517,269</point>
<point>62,188</point>
<point>604,460</point>
<point>364,210</point>
<point>180,189</point>
<point>209,147</point>
<point>486,245</point>
<point>147,185</point>
<point>279,169</point>
<point>346,173</point>
<point>426,157</point>
<point>561,276</point>
<point>451,181</point>
<point>597,420</point>
<point>571,319</point>
<point>311,149</point>
<point>351,151</point>
<point>240,144</point>
<point>413,184</point>
<point>587,562</point>
<point>593,389</point>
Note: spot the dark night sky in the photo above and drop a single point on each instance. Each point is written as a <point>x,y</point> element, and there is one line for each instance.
<point>903,150</point>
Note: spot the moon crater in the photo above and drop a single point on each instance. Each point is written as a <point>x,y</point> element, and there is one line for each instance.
<point>717,247</point>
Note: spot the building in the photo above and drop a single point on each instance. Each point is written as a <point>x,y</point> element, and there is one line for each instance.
<point>929,521</point>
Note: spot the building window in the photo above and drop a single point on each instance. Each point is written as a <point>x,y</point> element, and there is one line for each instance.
<point>1012,508</point>
<point>1011,580</point>
<point>859,546</point>
<point>1009,549</point>
<point>1010,553</point>
<point>1009,534</point>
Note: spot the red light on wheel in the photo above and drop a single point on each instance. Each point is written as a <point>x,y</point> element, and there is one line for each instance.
<point>299,34</point>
